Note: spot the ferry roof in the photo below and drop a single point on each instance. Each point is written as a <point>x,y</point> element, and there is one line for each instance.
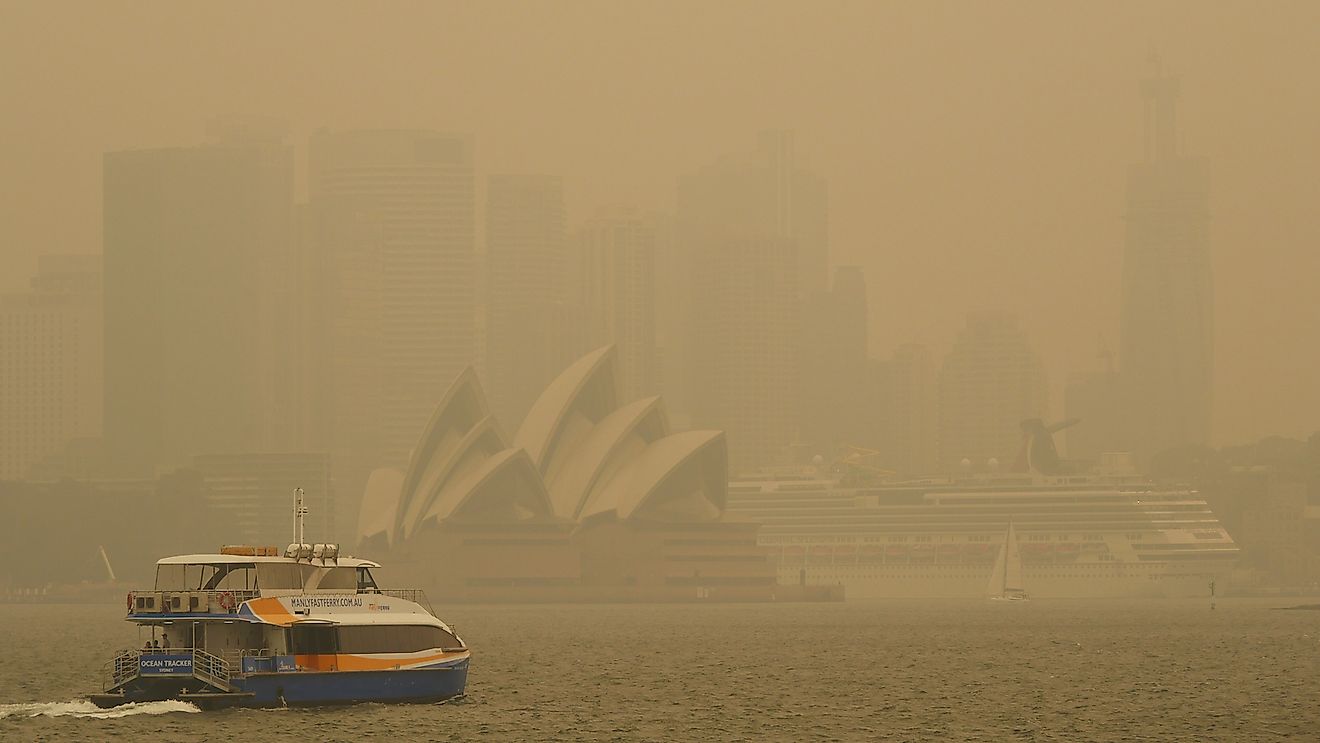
<point>213,559</point>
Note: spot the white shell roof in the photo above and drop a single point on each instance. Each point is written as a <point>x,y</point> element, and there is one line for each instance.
<point>581,472</point>
<point>462,408</point>
<point>543,422</point>
<point>379,502</point>
<point>481,442</point>
<point>578,453</point>
<point>462,491</point>
<point>641,479</point>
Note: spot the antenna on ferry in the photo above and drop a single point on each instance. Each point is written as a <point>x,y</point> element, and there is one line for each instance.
<point>299,511</point>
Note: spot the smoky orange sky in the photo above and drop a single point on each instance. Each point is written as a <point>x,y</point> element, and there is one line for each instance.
<point>976,152</point>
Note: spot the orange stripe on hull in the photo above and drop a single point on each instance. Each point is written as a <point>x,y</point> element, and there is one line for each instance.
<point>343,662</point>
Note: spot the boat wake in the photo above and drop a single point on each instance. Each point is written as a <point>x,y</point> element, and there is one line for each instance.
<point>84,708</point>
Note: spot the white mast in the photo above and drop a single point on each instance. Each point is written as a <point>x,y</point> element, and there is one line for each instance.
<point>299,511</point>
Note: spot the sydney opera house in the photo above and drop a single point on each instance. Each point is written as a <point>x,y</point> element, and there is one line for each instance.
<point>594,499</point>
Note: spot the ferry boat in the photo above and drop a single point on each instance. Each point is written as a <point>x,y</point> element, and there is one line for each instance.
<point>253,627</point>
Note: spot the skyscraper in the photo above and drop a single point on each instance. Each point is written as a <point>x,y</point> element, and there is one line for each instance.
<point>746,347</point>
<point>197,250</point>
<point>755,227</point>
<point>1166,357</point>
<point>904,418</point>
<point>618,278</point>
<point>991,381</point>
<point>392,244</point>
<point>673,304</point>
<point>50,362</point>
<point>834,363</point>
<point>1095,399</point>
<point>527,267</point>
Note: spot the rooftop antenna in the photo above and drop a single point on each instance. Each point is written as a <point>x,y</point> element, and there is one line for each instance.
<point>299,511</point>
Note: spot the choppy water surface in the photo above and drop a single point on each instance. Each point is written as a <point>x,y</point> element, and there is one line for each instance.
<point>976,671</point>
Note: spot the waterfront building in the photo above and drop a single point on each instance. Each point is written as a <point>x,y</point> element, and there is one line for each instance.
<point>50,362</point>
<point>253,492</point>
<point>198,264</point>
<point>618,288</point>
<point>755,225</point>
<point>834,365</point>
<point>526,272</point>
<point>390,249</point>
<point>1167,353</point>
<point>990,382</point>
<point>904,425</point>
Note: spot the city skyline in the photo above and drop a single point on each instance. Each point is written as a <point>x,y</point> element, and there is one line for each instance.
<point>912,126</point>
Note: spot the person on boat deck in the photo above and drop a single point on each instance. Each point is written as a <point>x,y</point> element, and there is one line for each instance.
<point>155,644</point>
<point>147,646</point>
<point>164,640</point>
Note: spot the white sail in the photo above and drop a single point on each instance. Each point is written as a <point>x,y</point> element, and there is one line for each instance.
<point>1006,576</point>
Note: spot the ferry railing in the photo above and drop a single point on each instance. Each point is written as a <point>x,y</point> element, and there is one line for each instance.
<point>121,669</point>
<point>212,669</point>
<point>188,602</point>
<point>415,595</point>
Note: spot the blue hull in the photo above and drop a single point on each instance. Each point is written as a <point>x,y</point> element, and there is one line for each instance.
<point>302,688</point>
<point>305,689</point>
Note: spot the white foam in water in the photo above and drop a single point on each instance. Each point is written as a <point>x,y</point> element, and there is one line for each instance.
<point>84,708</point>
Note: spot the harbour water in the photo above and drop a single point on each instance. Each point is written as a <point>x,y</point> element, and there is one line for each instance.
<point>897,670</point>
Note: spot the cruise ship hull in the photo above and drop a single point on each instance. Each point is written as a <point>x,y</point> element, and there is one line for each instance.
<point>1126,581</point>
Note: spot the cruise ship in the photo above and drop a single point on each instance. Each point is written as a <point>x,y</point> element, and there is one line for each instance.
<point>1107,534</point>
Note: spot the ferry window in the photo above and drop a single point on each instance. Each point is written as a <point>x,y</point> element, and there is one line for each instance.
<point>240,576</point>
<point>342,579</point>
<point>279,575</point>
<point>378,638</point>
<point>170,578</point>
<point>314,639</point>
<point>365,580</point>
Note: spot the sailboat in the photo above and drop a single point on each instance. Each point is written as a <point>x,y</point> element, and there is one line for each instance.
<point>1006,577</point>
